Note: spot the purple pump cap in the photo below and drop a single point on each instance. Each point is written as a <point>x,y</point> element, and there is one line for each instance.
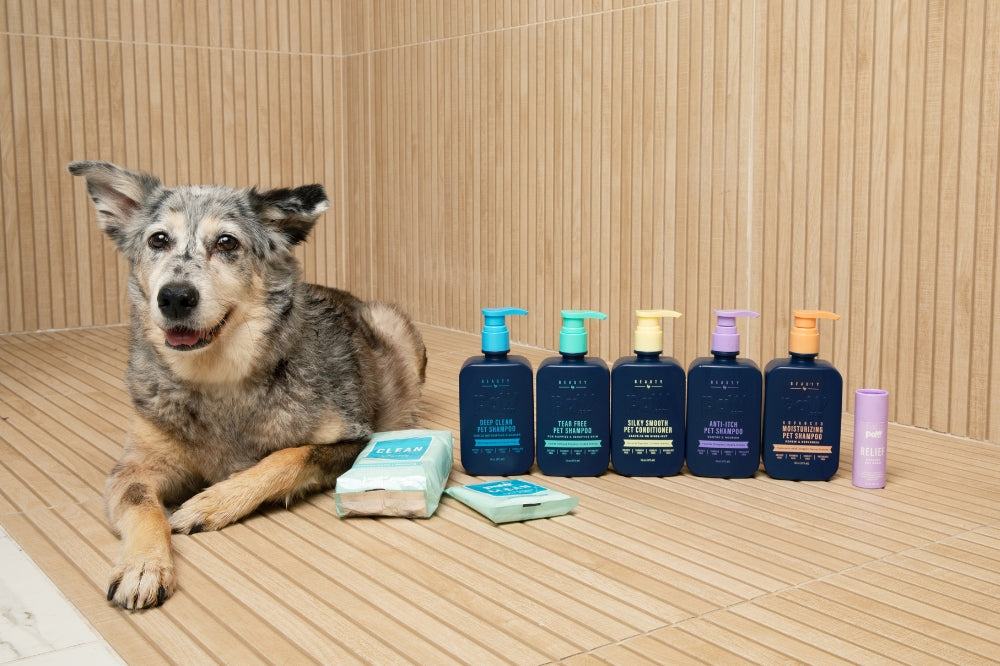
<point>726,339</point>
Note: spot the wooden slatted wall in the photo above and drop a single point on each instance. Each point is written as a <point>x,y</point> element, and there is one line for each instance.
<point>769,154</point>
<point>222,91</point>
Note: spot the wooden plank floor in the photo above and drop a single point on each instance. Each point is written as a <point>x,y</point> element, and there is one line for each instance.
<point>674,570</point>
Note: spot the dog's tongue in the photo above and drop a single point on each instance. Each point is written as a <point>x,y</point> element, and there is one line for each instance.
<point>182,337</point>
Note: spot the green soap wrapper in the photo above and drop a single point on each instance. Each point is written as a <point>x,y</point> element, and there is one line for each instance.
<point>511,500</point>
<point>399,473</point>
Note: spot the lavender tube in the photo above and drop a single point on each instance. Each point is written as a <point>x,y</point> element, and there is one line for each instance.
<point>871,418</point>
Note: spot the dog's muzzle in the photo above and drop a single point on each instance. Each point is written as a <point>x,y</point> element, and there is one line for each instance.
<point>177,302</point>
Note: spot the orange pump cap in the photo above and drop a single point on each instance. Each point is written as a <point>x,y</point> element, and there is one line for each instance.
<point>804,338</point>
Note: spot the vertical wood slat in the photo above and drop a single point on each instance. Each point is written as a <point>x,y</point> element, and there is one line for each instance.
<point>890,355</point>
<point>12,305</point>
<point>983,423</point>
<point>772,156</point>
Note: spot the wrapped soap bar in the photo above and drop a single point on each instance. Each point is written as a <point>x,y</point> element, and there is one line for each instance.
<point>399,473</point>
<point>511,500</point>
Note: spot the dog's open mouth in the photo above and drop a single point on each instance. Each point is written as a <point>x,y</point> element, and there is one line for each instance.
<point>187,339</point>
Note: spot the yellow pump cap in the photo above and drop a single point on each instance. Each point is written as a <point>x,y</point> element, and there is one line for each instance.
<point>804,338</point>
<point>648,332</point>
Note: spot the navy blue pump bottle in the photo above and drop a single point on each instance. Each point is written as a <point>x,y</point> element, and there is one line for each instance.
<point>647,404</point>
<point>803,400</point>
<point>724,406</point>
<point>496,404</point>
<point>573,394</point>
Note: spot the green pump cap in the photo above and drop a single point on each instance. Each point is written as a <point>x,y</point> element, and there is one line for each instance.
<point>496,338</point>
<point>573,336</point>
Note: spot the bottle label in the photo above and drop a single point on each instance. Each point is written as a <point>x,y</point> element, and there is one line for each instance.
<point>573,443</point>
<point>573,438</point>
<point>577,434</point>
<point>713,445</point>
<point>500,432</point>
<point>499,443</point>
<point>802,442</point>
<point>665,445</point>
<point>652,437</point>
<point>647,436</point>
<point>497,438</point>
<point>724,440</point>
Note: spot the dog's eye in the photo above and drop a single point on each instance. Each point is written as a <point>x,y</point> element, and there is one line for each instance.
<point>227,243</point>
<point>159,240</point>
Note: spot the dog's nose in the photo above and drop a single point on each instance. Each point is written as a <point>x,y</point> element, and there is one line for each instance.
<point>176,301</point>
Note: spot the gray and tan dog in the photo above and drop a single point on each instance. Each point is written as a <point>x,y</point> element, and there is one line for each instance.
<point>249,385</point>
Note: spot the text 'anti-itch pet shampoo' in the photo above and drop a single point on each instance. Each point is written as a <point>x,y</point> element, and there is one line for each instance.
<point>724,402</point>
<point>647,404</point>
<point>573,394</point>
<point>496,404</point>
<point>803,400</point>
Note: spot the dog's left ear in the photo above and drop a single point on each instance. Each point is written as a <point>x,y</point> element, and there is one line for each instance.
<point>293,212</point>
<point>117,194</point>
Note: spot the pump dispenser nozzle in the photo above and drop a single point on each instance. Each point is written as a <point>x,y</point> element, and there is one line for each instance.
<point>726,339</point>
<point>496,339</point>
<point>573,336</point>
<point>648,332</point>
<point>804,338</point>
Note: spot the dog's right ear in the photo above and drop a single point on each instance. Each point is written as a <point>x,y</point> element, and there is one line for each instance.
<point>117,194</point>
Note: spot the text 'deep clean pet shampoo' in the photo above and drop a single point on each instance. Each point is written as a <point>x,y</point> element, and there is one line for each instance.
<point>573,394</point>
<point>496,404</point>
<point>803,399</point>
<point>647,404</point>
<point>724,406</point>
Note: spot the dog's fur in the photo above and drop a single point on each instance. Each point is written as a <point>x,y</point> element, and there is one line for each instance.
<point>249,385</point>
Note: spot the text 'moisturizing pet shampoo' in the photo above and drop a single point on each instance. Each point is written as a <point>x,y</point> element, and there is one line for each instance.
<point>724,403</point>
<point>647,404</point>
<point>496,404</point>
<point>573,394</point>
<point>803,399</point>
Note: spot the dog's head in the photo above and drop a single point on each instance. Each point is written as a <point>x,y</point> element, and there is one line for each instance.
<point>204,259</point>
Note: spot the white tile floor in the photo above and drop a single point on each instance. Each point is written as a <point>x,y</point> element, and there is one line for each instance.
<point>38,625</point>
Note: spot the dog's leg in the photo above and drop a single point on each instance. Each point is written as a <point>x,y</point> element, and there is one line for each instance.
<point>143,575</point>
<point>282,476</point>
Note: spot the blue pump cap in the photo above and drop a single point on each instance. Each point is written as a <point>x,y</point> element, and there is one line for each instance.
<point>573,336</point>
<point>496,338</point>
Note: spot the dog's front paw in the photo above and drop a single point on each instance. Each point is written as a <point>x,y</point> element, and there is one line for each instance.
<point>142,584</point>
<point>208,510</point>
